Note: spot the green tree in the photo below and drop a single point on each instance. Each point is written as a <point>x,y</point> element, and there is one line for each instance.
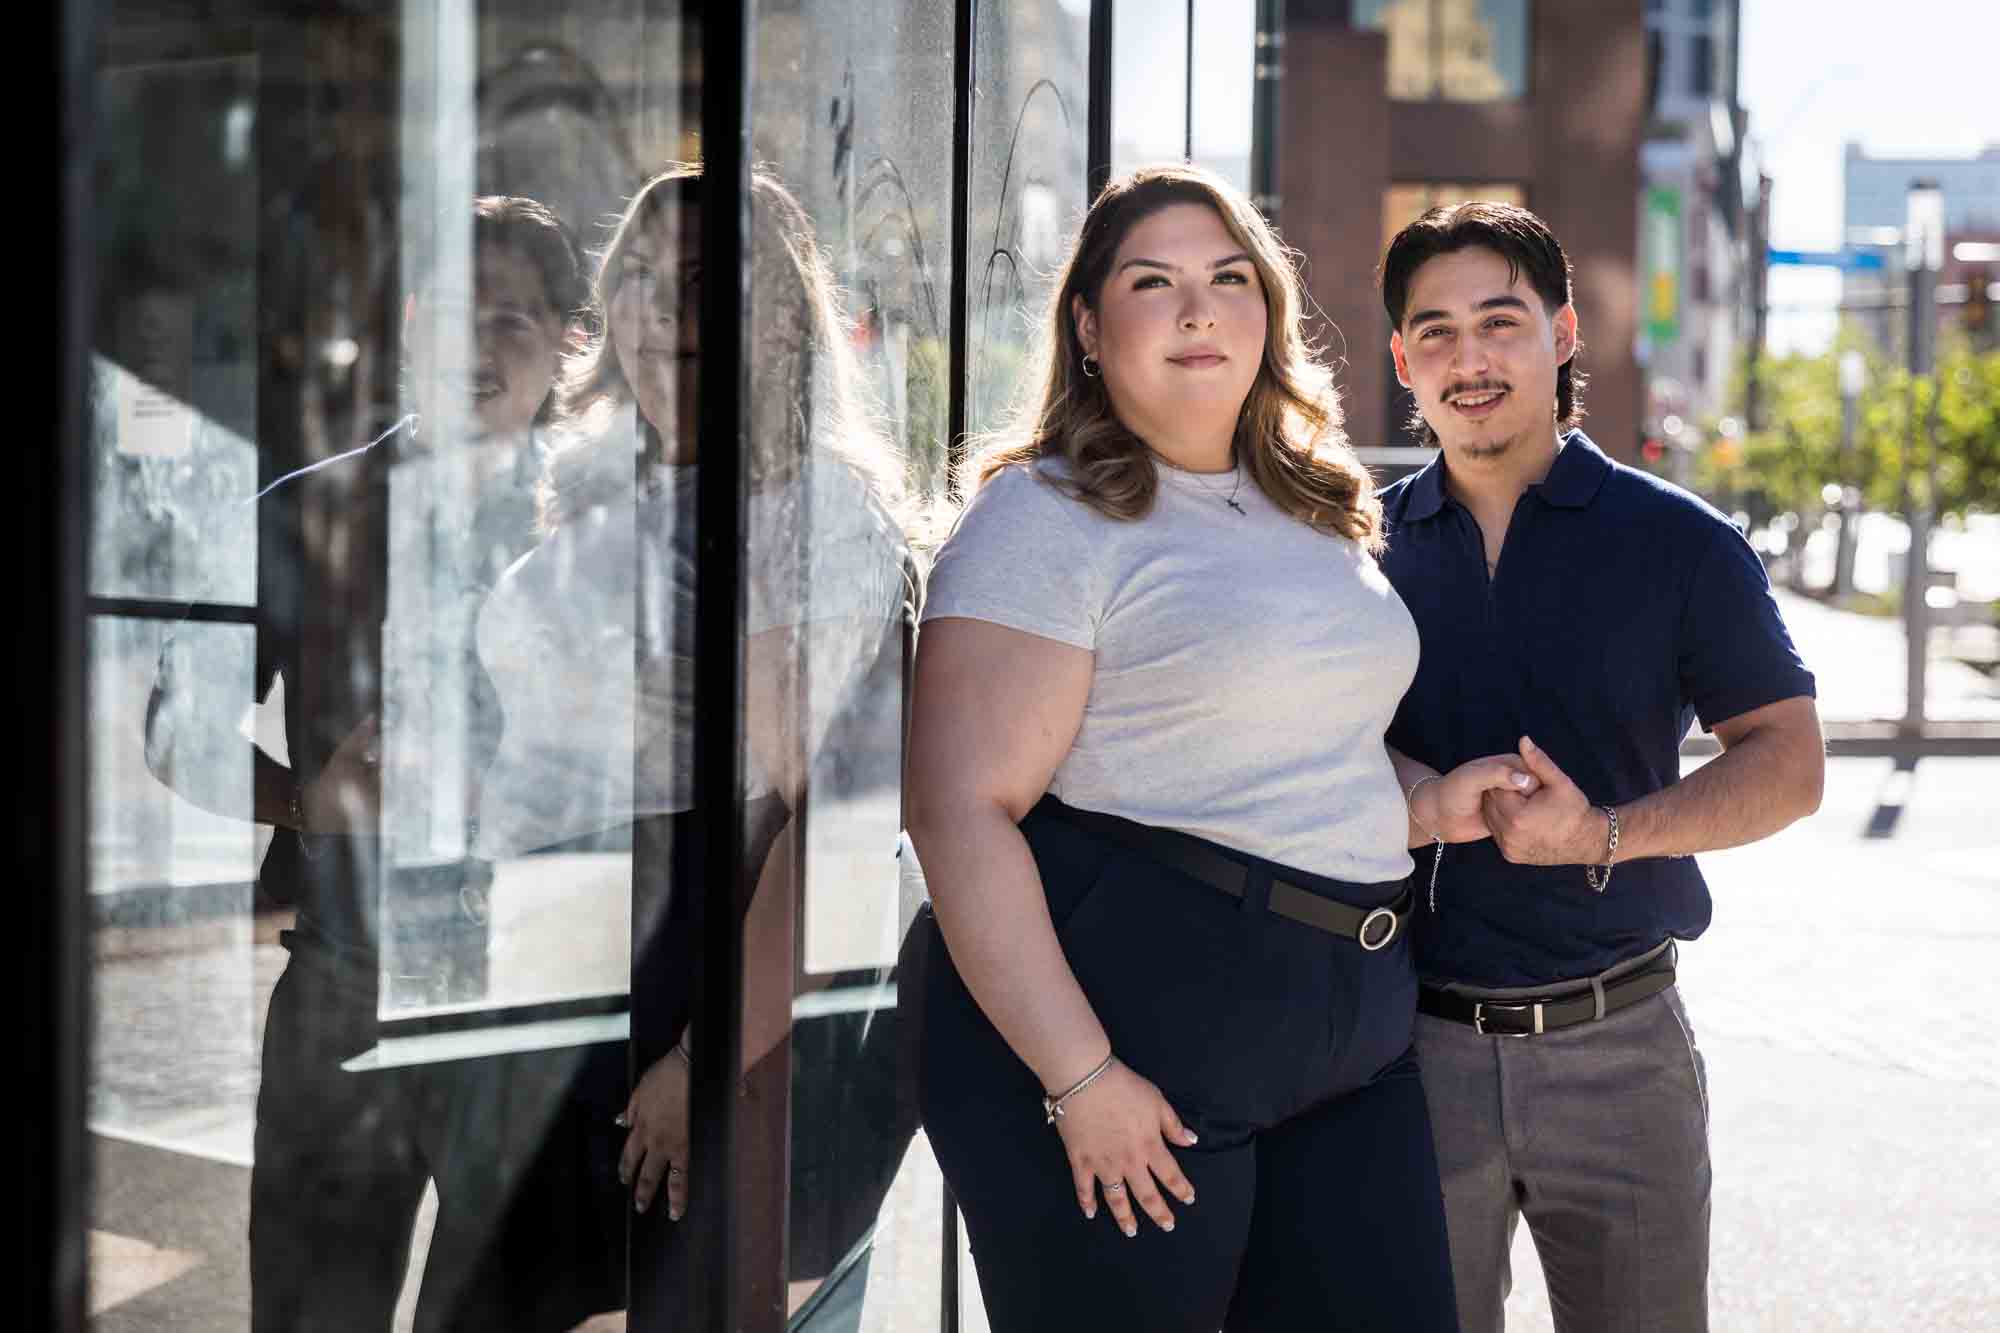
<point>1907,430</point>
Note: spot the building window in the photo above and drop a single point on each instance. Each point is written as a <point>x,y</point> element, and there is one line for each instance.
<point>1401,204</point>
<point>1701,60</point>
<point>1655,56</point>
<point>1452,50</point>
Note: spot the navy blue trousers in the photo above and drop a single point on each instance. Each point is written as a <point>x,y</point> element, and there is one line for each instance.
<point>1287,1049</point>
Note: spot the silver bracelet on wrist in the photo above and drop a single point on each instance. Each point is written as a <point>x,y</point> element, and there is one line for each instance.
<point>1053,1106</point>
<point>1599,878</point>
<point>1437,839</point>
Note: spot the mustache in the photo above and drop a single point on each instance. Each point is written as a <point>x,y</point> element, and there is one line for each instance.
<point>1475,386</point>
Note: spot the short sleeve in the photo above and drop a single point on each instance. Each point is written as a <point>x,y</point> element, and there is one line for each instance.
<point>1735,653</point>
<point>1021,556</point>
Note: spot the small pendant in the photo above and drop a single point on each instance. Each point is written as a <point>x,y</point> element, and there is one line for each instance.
<point>1237,507</point>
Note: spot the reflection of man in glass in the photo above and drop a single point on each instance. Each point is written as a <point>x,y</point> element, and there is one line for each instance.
<point>342,1158</point>
<point>586,748</point>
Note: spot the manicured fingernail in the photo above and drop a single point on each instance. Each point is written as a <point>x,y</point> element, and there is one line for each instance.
<point>1530,743</point>
<point>1191,1136</point>
<point>1167,1225</point>
<point>1188,1197</point>
<point>673,1214</point>
<point>1131,1231</point>
<point>639,1205</point>
<point>1090,1214</point>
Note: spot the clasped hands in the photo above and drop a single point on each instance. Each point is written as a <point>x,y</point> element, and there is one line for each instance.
<point>1528,806</point>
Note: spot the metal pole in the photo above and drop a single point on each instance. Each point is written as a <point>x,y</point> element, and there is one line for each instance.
<point>965,75</point>
<point>52,994</point>
<point>1923,256</point>
<point>1269,69</point>
<point>1760,309</point>
<point>1853,374</point>
<point>1097,152</point>
<point>720,1281</point>
<point>1187,88</point>
<point>1843,549</point>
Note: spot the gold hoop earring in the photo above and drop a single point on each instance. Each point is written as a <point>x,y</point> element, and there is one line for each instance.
<point>1090,367</point>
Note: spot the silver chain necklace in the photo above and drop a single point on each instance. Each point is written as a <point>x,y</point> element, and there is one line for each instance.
<point>1201,480</point>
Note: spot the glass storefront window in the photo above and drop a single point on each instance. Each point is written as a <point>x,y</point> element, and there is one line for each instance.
<point>1027,186</point>
<point>397,828</point>
<point>1403,204</point>
<point>1156,86</point>
<point>1452,50</point>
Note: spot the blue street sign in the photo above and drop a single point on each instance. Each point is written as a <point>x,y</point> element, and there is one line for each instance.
<point>1843,259</point>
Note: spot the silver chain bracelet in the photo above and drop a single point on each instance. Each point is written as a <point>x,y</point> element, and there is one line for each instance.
<point>1591,874</point>
<point>1437,839</point>
<point>1053,1106</point>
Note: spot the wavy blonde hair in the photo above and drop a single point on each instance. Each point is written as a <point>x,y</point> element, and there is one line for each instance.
<point>1288,435</point>
<point>804,386</point>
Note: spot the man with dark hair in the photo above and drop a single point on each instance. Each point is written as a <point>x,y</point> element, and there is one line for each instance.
<point>1586,613</point>
<point>372,564</point>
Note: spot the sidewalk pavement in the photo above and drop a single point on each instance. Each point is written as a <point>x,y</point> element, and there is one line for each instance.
<point>1859,660</point>
<point>1842,999</point>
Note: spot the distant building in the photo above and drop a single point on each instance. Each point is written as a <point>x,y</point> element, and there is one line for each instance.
<point>1876,197</point>
<point>1701,224</point>
<point>1389,106</point>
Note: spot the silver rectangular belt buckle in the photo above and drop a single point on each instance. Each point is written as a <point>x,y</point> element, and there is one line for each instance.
<point>1479,1008</point>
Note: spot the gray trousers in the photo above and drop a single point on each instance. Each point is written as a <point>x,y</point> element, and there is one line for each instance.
<point>1598,1135</point>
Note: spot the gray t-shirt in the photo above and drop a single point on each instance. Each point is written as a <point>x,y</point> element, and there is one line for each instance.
<point>1246,665</point>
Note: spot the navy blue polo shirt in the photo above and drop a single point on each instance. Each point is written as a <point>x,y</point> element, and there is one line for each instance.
<point>1622,610</point>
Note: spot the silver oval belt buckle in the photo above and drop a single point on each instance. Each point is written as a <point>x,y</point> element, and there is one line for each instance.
<point>1383,916</point>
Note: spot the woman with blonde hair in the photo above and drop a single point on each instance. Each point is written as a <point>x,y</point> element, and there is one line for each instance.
<point>1166,844</point>
<point>591,641</point>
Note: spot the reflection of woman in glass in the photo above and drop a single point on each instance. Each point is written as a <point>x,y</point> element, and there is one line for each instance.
<point>342,1157</point>
<point>1166,843</point>
<point>824,579</point>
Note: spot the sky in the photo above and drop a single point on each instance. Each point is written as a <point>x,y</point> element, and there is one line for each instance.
<point>1917,78</point>
<point>1913,78</point>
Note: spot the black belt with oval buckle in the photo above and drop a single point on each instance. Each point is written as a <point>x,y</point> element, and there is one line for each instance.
<point>1373,928</point>
<point>1565,1009</point>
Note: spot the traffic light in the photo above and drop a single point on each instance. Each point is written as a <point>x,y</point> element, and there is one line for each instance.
<point>1978,309</point>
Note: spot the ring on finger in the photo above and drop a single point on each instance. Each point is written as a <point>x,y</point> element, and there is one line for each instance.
<point>1114,1186</point>
<point>675,1171</point>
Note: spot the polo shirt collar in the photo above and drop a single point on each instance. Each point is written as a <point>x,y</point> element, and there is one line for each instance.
<point>1579,470</point>
<point>1573,481</point>
<point>1426,493</point>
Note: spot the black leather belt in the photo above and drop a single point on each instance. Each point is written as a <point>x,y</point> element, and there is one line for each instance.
<point>1372,928</point>
<point>1529,1017</point>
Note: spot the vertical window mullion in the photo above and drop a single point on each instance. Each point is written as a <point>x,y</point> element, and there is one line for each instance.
<point>719,515</point>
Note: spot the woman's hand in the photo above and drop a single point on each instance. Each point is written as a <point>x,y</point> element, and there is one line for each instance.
<point>1451,806</point>
<point>1116,1132</point>
<point>657,1146</point>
